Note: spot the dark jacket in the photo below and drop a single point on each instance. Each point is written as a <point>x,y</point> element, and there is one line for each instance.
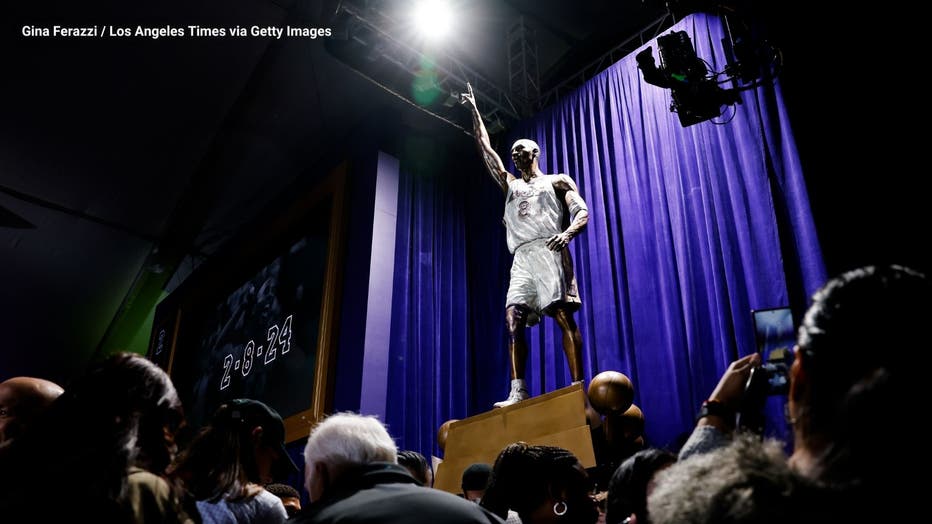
<point>384,492</point>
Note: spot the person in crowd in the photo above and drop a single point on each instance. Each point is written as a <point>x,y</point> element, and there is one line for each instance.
<point>746,482</point>
<point>103,448</point>
<point>417,465</point>
<point>631,483</point>
<point>231,458</point>
<point>475,480</point>
<point>542,484</point>
<point>22,399</point>
<point>290,497</point>
<point>854,383</point>
<point>352,475</point>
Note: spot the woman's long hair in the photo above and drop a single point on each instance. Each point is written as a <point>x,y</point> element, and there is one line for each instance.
<point>219,462</point>
<point>110,420</point>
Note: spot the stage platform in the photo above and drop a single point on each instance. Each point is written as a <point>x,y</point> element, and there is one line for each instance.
<point>557,418</point>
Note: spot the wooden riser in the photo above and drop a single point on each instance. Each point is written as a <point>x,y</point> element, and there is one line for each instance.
<point>557,418</point>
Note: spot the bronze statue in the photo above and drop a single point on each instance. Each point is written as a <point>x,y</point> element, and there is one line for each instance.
<point>542,280</point>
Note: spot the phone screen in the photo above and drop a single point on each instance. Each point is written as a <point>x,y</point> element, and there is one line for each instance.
<point>776,337</point>
<point>774,331</point>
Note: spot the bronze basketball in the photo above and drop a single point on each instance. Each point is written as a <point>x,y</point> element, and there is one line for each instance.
<point>443,432</point>
<point>624,427</point>
<point>611,392</point>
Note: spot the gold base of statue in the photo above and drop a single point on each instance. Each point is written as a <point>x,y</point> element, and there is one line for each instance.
<point>557,418</point>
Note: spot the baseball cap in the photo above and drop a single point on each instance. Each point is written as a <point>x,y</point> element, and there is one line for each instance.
<point>256,413</point>
<point>476,477</point>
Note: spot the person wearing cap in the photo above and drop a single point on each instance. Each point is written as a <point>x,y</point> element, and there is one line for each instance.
<point>352,475</point>
<point>475,480</point>
<point>230,459</point>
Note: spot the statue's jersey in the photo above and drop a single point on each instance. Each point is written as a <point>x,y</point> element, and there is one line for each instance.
<point>540,278</point>
<point>532,210</point>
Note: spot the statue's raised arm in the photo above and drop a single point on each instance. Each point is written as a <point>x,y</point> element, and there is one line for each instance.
<point>493,163</point>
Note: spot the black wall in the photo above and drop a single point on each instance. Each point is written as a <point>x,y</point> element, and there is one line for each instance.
<point>852,89</point>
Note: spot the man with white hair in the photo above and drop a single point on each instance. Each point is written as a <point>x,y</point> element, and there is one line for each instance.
<point>537,208</point>
<point>352,475</point>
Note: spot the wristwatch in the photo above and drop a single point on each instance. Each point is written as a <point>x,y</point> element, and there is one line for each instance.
<point>716,409</point>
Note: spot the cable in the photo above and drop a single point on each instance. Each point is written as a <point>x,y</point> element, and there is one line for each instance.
<point>732,117</point>
<point>75,213</point>
<point>405,100</point>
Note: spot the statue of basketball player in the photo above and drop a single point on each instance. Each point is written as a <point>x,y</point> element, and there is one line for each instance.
<point>542,280</point>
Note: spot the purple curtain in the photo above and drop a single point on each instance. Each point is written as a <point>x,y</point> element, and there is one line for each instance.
<point>427,345</point>
<point>691,228</point>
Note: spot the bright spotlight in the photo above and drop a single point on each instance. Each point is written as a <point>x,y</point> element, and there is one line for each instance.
<point>432,18</point>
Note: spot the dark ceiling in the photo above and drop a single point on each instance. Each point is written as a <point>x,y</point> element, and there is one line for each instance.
<point>121,155</point>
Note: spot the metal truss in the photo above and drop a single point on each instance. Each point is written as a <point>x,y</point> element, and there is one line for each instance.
<point>649,32</point>
<point>375,32</point>
<point>452,75</point>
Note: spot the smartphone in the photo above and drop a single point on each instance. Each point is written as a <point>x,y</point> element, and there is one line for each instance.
<point>776,335</point>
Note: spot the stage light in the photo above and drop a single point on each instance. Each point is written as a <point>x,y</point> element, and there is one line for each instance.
<point>432,18</point>
<point>696,94</point>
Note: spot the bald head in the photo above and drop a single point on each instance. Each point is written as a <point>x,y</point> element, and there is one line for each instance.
<point>526,143</point>
<point>21,400</point>
<point>524,153</point>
